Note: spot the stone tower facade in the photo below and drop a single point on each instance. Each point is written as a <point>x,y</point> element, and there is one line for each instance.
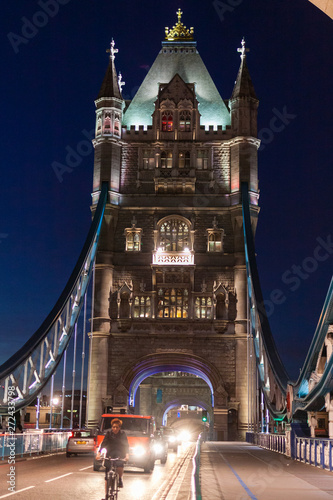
<point>170,290</point>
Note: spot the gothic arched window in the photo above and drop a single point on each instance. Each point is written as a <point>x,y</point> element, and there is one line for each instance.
<point>185,121</point>
<point>172,303</point>
<point>174,235</point>
<point>166,159</point>
<point>214,241</point>
<point>203,308</point>
<point>107,124</point>
<point>142,307</point>
<point>184,159</point>
<point>167,121</point>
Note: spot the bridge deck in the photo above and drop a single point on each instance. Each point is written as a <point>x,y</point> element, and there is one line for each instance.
<point>236,470</point>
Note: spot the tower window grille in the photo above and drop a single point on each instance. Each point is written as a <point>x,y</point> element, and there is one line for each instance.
<point>174,236</point>
<point>203,308</point>
<point>172,303</point>
<point>142,306</point>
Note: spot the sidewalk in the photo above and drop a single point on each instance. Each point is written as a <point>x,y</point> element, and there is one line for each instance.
<point>238,470</point>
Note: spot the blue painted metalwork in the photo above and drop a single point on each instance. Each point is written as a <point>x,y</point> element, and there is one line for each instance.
<point>259,324</point>
<point>32,366</point>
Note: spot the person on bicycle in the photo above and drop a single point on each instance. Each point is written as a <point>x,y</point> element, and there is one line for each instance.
<point>116,444</point>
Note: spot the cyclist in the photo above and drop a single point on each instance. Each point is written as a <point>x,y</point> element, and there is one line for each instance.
<point>116,444</point>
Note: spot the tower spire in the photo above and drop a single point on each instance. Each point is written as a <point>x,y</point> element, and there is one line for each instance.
<point>110,86</point>
<point>243,85</point>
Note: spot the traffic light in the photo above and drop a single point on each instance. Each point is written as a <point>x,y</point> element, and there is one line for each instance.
<point>204,415</point>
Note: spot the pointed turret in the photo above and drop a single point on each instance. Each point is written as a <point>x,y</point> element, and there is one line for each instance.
<point>243,85</point>
<point>109,114</point>
<point>244,110</point>
<point>244,102</point>
<point>110,86</point>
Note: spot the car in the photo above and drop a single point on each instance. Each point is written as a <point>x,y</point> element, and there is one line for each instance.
<point>171,437</point>
<point>160,447</point>
<point>80,441</point>
<point>140,430</point>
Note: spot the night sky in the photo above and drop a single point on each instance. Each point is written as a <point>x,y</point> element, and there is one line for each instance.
<point>51,74</point>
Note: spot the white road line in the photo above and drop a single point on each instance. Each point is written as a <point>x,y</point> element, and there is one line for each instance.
<point>18,491</point>
<point>59,477</point>
<point>85,468</point>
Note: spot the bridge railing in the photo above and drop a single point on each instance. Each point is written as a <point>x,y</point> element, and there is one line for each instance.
<point>32,443</point>
<point>272,442</point>
<point>313,451</point>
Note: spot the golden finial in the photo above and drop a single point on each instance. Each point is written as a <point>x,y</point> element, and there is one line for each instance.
<point>179,14</point>
<point>179,31</point>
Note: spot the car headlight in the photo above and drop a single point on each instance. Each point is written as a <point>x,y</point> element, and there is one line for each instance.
<point>172,439</point>
<point>185,436</point>
<point>158,448</point>
<point>138,451</point>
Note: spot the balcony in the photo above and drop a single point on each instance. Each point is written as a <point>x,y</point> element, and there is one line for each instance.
<point>184,258</point>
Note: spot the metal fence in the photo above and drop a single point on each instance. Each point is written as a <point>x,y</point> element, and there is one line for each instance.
<point>32,443</point>
<point>313,451</point>
<point>317,452</point>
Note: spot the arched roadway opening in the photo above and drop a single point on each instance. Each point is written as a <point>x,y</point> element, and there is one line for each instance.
<point>172,361</point>
<point>193,401</point>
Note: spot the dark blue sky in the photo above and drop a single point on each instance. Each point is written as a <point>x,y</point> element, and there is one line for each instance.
<point>51,75</point>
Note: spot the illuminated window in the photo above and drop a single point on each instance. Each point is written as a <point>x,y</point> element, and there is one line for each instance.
<point>202,159</point>
<point>214,241</point>
<point>148,159</point>
<point>142,307</point>
<point>166,159</point>
<point>117,125</point>
<point>203,308</point>
<point>167,121</point>
<point>185,121</point>
<point>184,159</point>
<point>133,240</point>
<point>107,124</point>
<point>99,126</point>
<point>174,236</point>
<point>172,303</point>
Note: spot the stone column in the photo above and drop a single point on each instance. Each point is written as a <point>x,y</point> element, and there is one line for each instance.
<point>99,345</point>
<point>220,424</point>
<point>97,381</point>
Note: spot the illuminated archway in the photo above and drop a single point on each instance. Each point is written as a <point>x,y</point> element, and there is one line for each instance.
<point>172,361</point>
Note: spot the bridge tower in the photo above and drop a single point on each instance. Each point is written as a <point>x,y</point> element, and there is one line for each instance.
<point>170,290</point>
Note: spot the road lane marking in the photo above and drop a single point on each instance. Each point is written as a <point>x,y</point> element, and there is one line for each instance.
<point>59,477</point>
<point>18,491</point>
<point>248,491</point>
<point>85,468</point>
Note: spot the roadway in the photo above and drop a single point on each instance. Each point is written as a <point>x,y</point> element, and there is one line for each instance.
<point>60,478</point>
<point>228,471</point>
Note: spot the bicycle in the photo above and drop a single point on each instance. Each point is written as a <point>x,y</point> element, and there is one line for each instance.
<point>113,478</point>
